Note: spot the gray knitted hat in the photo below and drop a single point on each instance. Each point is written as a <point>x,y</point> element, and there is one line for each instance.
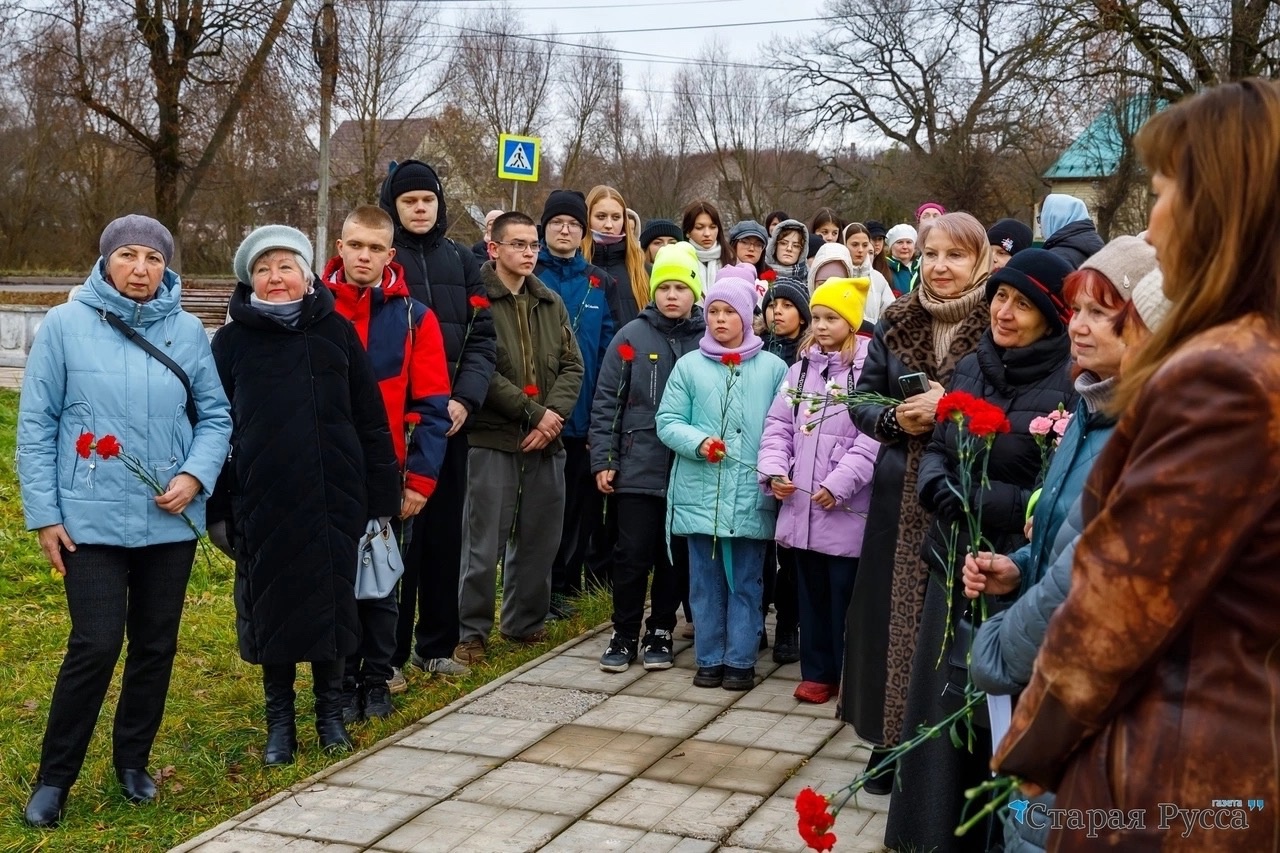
<point>263,240</point>
<point>1149,299</point>
<point>1125,261</point>
<point>136,230</point>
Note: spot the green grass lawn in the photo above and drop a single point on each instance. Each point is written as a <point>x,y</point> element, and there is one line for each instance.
<point>208,752</point>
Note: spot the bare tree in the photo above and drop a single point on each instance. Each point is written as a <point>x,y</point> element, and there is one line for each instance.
<point>1176,49</point>
<point>185,48</point>
<point>739,116</point>
<point>381,81</point>
<point>960,84</point>
<point>592,91</point>
<point>501,75</point>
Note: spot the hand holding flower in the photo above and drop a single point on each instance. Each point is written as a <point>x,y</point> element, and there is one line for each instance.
<point>712,449</point>
<point>181,491</point>
<point>993,574</point>
<point>781,486</point>
<point>824,498</point>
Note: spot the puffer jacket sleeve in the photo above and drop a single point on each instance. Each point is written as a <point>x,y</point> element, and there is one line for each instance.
<point>428,398</point>
<point>777,442</point>
<point>675,413</point>
<point>563,394</point>
<point>382,469</point>
<point>44,385</point>
<point>212,436</point>
<point>1005,648</point>
<point>603,436</point>
<point>854,470</point>
<point>480,354</point>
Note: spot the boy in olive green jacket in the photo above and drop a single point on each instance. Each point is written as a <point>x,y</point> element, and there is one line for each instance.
<point>515,480</point>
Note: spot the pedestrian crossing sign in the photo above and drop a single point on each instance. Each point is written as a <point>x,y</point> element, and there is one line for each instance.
<point>518,157</point>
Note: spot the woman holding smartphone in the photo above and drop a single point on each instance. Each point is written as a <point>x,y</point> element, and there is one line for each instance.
<point>918,342</point>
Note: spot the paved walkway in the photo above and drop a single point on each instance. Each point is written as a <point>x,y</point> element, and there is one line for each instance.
<point>11,377</point>
<point>560,756</point>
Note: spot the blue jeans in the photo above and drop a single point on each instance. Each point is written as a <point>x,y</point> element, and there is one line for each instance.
<point>728,623</point>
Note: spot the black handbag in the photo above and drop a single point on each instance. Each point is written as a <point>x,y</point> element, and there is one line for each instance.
<point>131,334</point>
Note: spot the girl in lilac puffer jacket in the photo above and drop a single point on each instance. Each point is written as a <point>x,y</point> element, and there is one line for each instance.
<point>819,465</point>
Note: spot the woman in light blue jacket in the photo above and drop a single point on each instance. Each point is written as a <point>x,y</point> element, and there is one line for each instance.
<point>715,404</point>
<point>90,392</point>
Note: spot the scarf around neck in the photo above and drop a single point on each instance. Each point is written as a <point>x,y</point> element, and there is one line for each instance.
<point>607,239</point>
<point>286,312</point>
<point>714,350</point>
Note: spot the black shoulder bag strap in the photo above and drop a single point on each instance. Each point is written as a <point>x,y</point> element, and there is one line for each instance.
<point>123,328</point>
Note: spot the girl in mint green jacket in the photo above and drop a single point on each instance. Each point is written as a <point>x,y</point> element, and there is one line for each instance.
<point>712,416</point>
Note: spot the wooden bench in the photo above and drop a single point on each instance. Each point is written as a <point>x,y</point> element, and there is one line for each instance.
<point>208,300</point>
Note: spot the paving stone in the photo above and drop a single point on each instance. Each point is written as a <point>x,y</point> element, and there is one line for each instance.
<point>780,732</point>
<point>772,827</point>
<point>246,841</point>
<point>724,765</point>
<point>540,788</point>
<point>789,671</point>
<point>599,749</point>
<point>414,771</point>
<point>478,734</point>
<point>336,813</point>
<point>775,694</point>
<point>464,827</point>
<point>588,837</point>
<point>678,684</point>
<point>706,813</point>
<point>579,674</point>
<point>846,746</point>
<point>829,775</point>
<point>649,715</point>
<point>687,660</point>
<point>536,702</point>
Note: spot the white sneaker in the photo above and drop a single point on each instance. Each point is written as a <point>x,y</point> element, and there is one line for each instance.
<point>440,666</point>
<point>397,683</point>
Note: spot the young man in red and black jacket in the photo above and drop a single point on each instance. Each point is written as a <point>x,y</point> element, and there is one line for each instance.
<point>406,350</point>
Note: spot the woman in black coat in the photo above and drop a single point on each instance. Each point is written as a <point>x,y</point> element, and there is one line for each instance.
<point>311,464</point>
<point>1022,365</point>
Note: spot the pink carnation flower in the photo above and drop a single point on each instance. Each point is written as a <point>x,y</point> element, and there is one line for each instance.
<point>1042,426</point>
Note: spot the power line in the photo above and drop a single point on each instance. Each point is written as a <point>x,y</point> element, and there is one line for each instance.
<point>735,25</point>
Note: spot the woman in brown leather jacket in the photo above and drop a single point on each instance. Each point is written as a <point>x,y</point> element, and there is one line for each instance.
<point>1156,693</point>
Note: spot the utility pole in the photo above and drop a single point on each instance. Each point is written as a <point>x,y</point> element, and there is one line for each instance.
<point>324,46</point>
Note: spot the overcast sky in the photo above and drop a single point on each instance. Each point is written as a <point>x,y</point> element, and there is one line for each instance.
<point>622,23</point>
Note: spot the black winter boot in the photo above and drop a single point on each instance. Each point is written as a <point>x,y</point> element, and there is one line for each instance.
<point>327,686</point>
<point>282,728</point>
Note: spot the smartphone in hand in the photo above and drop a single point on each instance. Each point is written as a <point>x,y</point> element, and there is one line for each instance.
<point>913,384</point>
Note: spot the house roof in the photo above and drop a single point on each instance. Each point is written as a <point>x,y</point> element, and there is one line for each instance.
<point>397,139</point>
<point>1096,152</point>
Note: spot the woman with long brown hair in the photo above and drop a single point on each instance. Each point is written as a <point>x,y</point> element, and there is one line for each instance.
<point>700,220</point>
<point>1159,674</point>
<point>613,245</point>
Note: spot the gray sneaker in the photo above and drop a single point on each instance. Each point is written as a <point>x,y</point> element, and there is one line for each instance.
<point>440,666</point>
<point>658,650</point>
<point>397,683</point>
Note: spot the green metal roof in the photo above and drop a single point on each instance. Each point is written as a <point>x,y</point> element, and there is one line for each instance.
<point>1096,152</point>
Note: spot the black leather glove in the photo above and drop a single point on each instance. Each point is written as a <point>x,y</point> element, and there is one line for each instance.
<point>948,503</point>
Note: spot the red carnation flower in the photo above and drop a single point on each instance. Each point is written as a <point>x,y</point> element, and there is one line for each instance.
<point>769,275</point>
<point>84,444</point>
<point>815,820</point>
<point>594,281</point>
<point>956,405</point>
<point>627,351</point>
<point>479,302</point>
<point>413,418</point>
<point>108,446</point>
<point>987,420</point>
<point>531,390</point>
<point>716,451</point>
<point>731,359</point>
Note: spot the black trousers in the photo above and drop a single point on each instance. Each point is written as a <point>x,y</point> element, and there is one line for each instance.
<point>825,586</point>
<point>583,522</point>
<point>378,622</point>
<point>641,546</point>
<point>112,593</point>
<point>433,566</point>
<point>780,584</point>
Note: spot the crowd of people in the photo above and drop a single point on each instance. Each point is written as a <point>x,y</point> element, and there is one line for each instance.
<point>730,419</point>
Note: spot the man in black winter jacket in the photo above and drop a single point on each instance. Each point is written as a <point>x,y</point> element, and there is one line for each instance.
<point>445,277</point>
